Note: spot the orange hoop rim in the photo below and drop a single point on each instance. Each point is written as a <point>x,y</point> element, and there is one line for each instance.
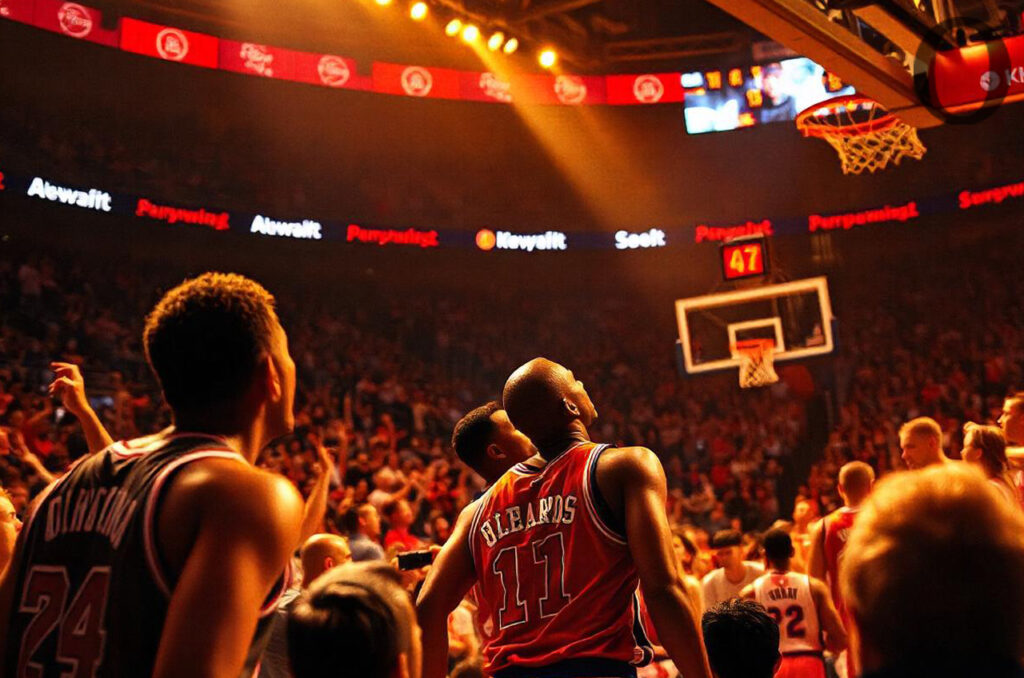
<point>810,123</point>
<point>753,345</point>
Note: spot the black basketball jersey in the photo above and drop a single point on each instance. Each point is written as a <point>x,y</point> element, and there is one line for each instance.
<point>92,590</point>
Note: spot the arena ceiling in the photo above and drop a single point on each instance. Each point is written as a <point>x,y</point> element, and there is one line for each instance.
<point>590,35</point>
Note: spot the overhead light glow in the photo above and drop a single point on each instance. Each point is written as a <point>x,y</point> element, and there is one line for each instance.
<point>470,33</point>
<point>548,58</point>
<point>453,28</point>
<point>418,11</point>
<point>383,3</point>
<point>496,40</point>
<point>511,46</point>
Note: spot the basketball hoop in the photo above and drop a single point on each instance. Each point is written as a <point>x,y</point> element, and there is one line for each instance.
<point>757,362</point>
<point>865,135</point>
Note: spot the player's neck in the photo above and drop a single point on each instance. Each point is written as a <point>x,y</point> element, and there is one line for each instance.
<point>247,441</point>
<point>559,443</point>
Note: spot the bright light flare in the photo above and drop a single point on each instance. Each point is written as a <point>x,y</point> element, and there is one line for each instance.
<point>548,58</point>
<point>383,3</point>
<point>418,11</point>
<point>495,42</point>
<point>511,46</point>
<point>453,28</point>
<point>470,33</point>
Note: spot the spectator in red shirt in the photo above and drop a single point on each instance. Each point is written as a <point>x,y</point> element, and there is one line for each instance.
<point>400,516</point>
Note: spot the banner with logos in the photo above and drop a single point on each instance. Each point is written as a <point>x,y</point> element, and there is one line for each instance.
<point>161,211</point>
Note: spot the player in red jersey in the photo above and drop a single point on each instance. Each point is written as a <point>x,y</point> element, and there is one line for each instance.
<point>828,537</point>
<point>558,545</point>
<point>802,608</point>
<point>162,556</point>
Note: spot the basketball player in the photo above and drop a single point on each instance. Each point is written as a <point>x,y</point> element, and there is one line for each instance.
<point>802,608</point>
<point>9,528</point>
<point>162,556</point>
<point>1011,420</point>
<point>921,442</point>
<point>548,544</point>
<point>829,536</point>
<point>934,578</point>
<point>487,442</point>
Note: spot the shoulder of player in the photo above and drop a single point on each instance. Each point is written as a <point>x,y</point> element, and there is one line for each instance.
<point>238,489</point>
<point>819,589</point>
<point>631,462</point>
<point>747,591</point>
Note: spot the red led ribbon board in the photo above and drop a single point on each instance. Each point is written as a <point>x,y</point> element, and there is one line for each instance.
<point>166,42</point>
<point>743,259</point>
<point>73,20</point>
<point>16,10</point>
<point>654,88</point>
<point>416,81</point>
<point>252,58</point>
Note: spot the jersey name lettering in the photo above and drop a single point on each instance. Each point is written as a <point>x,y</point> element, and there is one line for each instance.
<point>786,593</point>
<point>102,510</point>
<point>556,510</point>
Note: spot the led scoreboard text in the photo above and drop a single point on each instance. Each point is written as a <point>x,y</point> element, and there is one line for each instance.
<point>744,259</point>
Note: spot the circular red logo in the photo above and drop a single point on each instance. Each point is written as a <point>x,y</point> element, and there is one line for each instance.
<point>417,81</point>
<point>334,72</point>
<point>172,44</point>
<point>74,20</point>
<point>570,89</point>
<point>648,89</point>
<point>485,239</point>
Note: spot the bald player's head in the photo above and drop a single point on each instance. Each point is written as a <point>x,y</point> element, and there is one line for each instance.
<point>320,553</point>
<point>545,400</point>
<point>855,481</point>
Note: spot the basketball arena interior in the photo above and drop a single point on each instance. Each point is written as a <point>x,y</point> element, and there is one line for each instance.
<point>721,274</point>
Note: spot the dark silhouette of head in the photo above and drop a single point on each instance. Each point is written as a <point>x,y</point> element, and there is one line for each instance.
<point>487,442</point>
<point>546,402</point>
<point>742,640</point>
<point>778,548</point>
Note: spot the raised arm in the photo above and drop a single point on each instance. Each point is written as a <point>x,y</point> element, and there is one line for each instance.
<point>245,525</point>
<point>451,577</point>
<point>835,634</point>
<point>634,481</point>
<point>316,504</point>
<point>69,386</point>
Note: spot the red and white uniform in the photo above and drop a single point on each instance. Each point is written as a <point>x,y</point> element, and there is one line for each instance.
<point>787,597</point>
<point>556,582</point>
<point>837,531</point>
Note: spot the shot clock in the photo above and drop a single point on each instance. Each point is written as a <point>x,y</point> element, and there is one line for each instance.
<point>744,258</point>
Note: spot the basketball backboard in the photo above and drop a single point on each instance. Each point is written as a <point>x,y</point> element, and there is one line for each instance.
<point>926,61</point>
<point>796,316</point>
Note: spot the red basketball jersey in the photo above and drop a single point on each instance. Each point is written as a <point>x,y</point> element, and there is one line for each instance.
<point>556,581</point>
<point>837,530</point>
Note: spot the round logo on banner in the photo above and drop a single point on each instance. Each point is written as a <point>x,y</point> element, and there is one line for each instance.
<point>570,89</point>
<point>257,59</point>
<point>989,81</point>
<point>417,81</point>
<point>648,89</point>
<point>485,239</point>
<point>74,20</point>
<point>334,72</point>
<point>172,44</point>
<point>496,88</point>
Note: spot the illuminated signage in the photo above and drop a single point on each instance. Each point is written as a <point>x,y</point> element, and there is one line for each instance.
<point>846,221</point>
<point>504,240</point>
<point>744,259</point>
<point>304,230</point>
<point>969,199</point>
<point>219,221</point>
<point>624,240</point>
<point>387,236</point>
<point>2,187</point>
<point>92,199</point>
<point>705,233</point>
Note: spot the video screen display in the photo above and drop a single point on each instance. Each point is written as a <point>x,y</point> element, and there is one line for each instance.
<point>718,101</point>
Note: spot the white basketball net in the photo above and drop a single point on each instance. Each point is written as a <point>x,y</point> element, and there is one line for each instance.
<point>864,134</point>
<point>757,365</point>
